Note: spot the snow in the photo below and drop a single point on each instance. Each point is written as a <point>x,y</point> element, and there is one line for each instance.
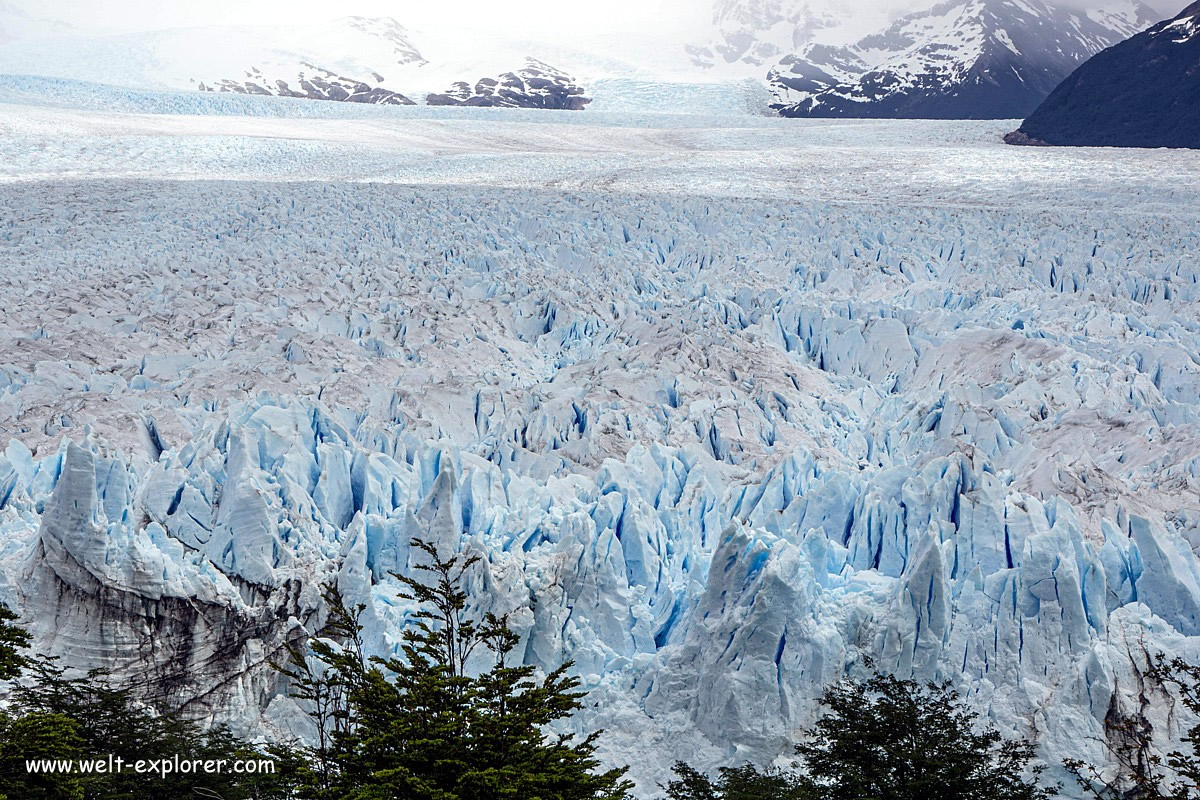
<point>727,403</point>
<point>747,36</point>
<point>1183,29</point>
<point>1007,41</point>
<point>360,56</point>
<point>936,50</point>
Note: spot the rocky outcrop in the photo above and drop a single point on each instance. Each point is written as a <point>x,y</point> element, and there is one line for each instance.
<point>1144,92</point>
<point>312,83</point>
<point>536,85</point>
<point>351,67</point>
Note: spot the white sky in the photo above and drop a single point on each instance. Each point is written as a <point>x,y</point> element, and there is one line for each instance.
<point>509,16</point>
<point>505,16</point>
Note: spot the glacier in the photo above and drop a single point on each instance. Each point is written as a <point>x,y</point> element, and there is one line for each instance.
<point>731,409</point>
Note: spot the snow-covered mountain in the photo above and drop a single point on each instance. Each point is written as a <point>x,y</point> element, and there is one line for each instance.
<point>758,32</point>
<point>287,64</point>
<point>1144,92</point>
<point>961,59</point>
<point>536,85</point>
<point>17,24</point>
<point>352,59</point>
<point>964,58</point>
<point>748,36</point>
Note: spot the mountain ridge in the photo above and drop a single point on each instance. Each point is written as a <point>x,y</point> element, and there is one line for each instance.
<point>970,59</point>
<point>1144,92</point>
<point>373,60</point>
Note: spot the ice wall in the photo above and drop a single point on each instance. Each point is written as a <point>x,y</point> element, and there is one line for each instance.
<point>717,453</point>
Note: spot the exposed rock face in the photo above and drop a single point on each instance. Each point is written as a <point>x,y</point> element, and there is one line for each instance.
<point>536,85</point>
<point>1144,92</point>
<point>391,32</point>
<point>964,59</point>
<point>312,83</point>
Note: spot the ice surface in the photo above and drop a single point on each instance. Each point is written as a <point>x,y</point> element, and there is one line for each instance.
<point>728,408</point>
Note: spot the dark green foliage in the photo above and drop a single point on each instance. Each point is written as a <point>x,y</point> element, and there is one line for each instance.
<point>1140,772</point>
<point>895,739</point>
<point>420,727</point>
<point>71,718</point>
<point>885,739</point>
<point>738,783</point>
<point>13,639</point>
<point>38,736</point>
<point>1143,92</point>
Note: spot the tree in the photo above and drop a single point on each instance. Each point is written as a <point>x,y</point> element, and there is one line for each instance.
<point>68,718</point>
<point>738,783</point>
<point>31,736</point>
<point>885,739</point>
<point>322,678</point>
<point>37,737</point>
<point>13,640</point>
<point>1185,678</point>
<point>420,726</point>
<point>1140,772</point>
<point>895,739</point>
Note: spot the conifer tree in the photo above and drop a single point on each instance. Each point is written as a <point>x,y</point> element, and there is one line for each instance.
<point>896,739</point>
<point>13,641</point>
<point>739,783</point>
<point>25,736</point>
<point>421,726</point>
<point>885,739</point>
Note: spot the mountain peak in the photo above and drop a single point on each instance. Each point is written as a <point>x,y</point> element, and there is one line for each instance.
<point>960,58</point>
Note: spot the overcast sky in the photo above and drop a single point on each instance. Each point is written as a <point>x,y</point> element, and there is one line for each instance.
<point>509,16</point>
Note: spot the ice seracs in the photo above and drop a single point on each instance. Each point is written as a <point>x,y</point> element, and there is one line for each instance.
<point>716,450</point>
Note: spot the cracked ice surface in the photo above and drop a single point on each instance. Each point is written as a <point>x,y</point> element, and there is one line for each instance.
<point>727,409</point>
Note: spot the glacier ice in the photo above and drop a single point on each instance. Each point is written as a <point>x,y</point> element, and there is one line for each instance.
<point>716,450</point>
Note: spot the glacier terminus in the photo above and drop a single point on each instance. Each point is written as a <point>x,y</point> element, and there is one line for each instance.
<point>732,407</point>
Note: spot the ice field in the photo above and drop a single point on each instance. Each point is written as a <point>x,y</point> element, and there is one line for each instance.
<point>730,404</point>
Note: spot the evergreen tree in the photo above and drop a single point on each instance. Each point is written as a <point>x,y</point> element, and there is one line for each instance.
<point>895,739</point>
<point>419,726</point>
<point>885,739</point>
<point>26,737</point>
<point>739,783</point>
<point>31,736</point>
<point>322,677</point>
<point>13,640</point>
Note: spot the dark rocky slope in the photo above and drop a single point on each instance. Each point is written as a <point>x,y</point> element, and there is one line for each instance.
<point>536,85</point>
<point>1144,92</point>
